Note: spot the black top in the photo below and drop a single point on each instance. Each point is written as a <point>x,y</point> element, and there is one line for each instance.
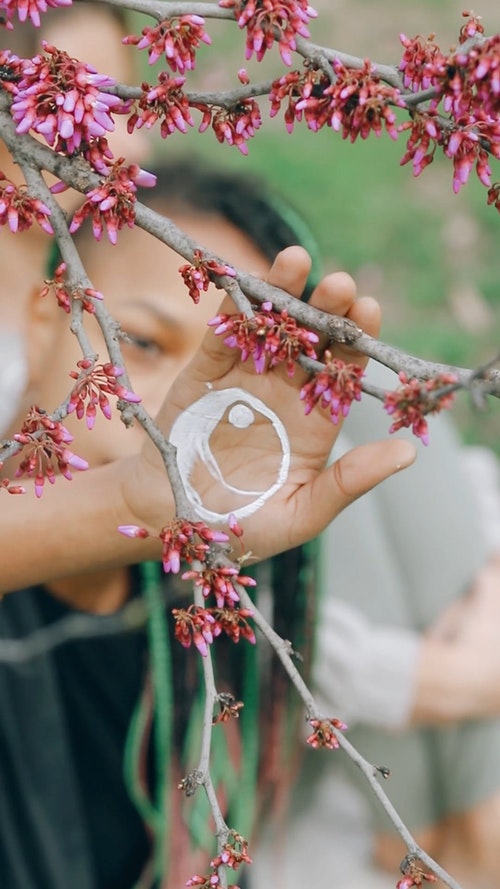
<point>66,819</point>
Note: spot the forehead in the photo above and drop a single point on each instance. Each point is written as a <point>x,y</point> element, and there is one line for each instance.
<point>140,266</point>
<point>92,36</point>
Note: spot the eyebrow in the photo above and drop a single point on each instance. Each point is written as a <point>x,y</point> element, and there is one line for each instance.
<point>159,312</point>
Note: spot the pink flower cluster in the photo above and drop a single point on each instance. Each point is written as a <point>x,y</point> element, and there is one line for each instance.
<point>357,103</point>
<point>409,405</point>
<point>268,21</point>
<point>466,85</point>
<point>112,203</point>
<point>190,541</point>
<point>425,135</point>
<point>181,540</point>
<point>45,443</point>
<point>18,210</point>
<point>201,626</point>
<point>297,86</point>
<point>175,38</point>
<point>166,102</point>
<point>194,625</point>
<point>234,853</point>
<point>28,9</point>
<point>65,293</point>
<point>198,276</point>
<point>324,733</point>
<point>271,338</point>
<point>235,125</point>
<point>61,99</point>
<point>94,383</point>
<point>334,387</point>
<point>219,582</point>
<point>11,67</point>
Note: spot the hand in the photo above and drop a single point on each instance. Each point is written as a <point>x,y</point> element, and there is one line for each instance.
<point>476,616</point>
<point>459,668</point>
<point>312,495</point>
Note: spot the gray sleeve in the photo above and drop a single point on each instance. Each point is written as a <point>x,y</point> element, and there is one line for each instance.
<point>481,467</point>
<point>389,565</point>
<point>364,673</point>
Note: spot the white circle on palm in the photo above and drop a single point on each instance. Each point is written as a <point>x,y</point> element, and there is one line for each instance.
<point>190,435</point>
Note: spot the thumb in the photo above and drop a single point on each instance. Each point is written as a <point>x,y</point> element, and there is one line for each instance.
<point>352,475</point>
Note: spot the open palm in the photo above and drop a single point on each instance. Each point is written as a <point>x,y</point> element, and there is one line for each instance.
<point>248,456</point>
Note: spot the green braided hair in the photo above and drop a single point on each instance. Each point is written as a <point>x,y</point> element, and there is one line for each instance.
<point>169,710</point>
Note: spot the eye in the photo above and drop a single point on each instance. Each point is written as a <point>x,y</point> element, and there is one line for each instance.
<point>144,344</point>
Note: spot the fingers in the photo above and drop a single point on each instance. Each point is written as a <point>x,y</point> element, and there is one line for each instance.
<point>355,473</point>
<point>335,293</point>
<point>290,270</point>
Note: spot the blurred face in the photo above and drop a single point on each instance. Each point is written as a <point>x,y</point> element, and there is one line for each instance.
<point>145,293</point>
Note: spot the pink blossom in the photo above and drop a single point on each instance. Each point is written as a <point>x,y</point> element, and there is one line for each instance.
<point>44,443</point>
<point>234,525</point>
<point>18,210</point>
<point>334,387</point>
<point>424,137</point>
<point>234,623</point>
<point>133,531</point>
<point>409,405</point>
<point>219,582</point>
<point>270,21</point>
<point>234,853</point>
<point>112,203</point>
<point>66,293</point>
<point>271,338</point>
<point>423,64</point>
<point>28,9</point>
<point>175,38</point>
<point>60,98</point>
<point>94,383</point>
<point>165,102</point>
<point>194,625</point>
<point>235,125</point>
<point>198,276</point>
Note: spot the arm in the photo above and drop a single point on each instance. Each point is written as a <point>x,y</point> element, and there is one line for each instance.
<point>393,678</point>
<point>85,513</point>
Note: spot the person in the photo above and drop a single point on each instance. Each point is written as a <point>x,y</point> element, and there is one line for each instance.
<point>199,201</point>
<point>65,811</point>
<point>94,37</point>
<point>412,640</point>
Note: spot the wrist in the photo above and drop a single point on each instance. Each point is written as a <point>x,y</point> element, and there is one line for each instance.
<point>146,497</point>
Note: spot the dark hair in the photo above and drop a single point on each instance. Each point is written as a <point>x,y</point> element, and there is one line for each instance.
<point>245,200</point>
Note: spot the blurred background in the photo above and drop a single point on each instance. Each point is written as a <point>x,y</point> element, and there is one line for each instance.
<point>431,257</point>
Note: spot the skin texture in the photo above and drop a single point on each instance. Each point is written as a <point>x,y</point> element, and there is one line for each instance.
<point>130,485</point>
